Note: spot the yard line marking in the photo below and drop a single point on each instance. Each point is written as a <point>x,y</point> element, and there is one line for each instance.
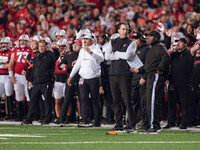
<point>104,142</point>
<point>10,128</point>
<point>3,138</point>
<point>19,135</point>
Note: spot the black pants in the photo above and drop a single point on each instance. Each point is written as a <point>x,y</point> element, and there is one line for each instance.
<point>69,96</point>
<point>138,100</point>
<point>155,94</point>
<point>90,86</point>
<point>45,91</point>
<point>194,104</point>
<point>121,89</point>
<point>107,100</point>
<point>176,94</point>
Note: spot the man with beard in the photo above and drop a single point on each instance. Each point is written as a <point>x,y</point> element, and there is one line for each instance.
<point>180,86</point>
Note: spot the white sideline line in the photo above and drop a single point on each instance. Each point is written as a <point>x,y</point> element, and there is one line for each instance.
<point>18,135</point>
<point>104,142</point>
<point>3,138</point>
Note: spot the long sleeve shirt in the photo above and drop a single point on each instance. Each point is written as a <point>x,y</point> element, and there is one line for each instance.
<point>88,65</point>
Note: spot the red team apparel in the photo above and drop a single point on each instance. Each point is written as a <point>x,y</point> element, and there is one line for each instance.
<point>64,70</point>
<point>20,58</point>
<point>4,59</point>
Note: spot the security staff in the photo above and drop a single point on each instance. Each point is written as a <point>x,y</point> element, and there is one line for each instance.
<point>121,49</point>
<point>43,80</point>
<point>88,66</point>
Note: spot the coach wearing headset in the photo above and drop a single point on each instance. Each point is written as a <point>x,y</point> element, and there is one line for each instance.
<point>121,49</point>
<point>88,67</point>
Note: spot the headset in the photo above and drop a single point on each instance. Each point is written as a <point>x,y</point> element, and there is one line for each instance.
<point>126,23</point>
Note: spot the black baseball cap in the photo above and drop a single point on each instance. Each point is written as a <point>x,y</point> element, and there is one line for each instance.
<point>183,40</point>
<point>155,34</point>
<point>105,36</point>
<point>137,35</point>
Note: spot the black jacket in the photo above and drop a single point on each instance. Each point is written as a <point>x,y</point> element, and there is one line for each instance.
<point>142,51</point>
<point>68,59</point>
<point>44,67</point>
<point>157,59</point>
<point>181,68</point>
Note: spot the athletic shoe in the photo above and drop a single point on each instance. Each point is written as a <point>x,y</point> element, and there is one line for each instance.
<point>57,121</point>
<point>84,125</point>
<point>96,124</point>
<point>62,125</point>
<point>182,127</point>
<point>168,126</point>
<point>149,131</point>
<point>26,122</point>
<point>131,131</point>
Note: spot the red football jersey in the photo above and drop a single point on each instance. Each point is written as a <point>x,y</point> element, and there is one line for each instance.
<point>4,59</point>
<point>63,71</point>
<point>20,58</point>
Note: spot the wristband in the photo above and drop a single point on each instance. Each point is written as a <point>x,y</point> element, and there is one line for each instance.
<point>1,66</point>
<point>11,73</point>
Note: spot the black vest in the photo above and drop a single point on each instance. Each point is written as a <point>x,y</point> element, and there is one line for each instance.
<point>120,67</point>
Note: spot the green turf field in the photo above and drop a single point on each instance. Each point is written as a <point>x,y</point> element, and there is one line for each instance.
<point>16,137</point>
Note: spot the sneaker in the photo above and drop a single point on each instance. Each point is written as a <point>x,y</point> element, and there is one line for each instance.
<point>45,123</point>
<point>7,117</point>
<point>26,122</point>
<point>149,131</point>
<point>84,125</point>
<point>96,124</point>
<point>131,131</point>
<point>57,121</point>
<point>62,125</point>
<point>182,127</point>
<point>118,129</point>
<point>152,131</point>
<point>139,125</point>
<point>168,126</point>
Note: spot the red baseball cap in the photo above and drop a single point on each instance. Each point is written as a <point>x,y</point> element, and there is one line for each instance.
<point>77,41</point>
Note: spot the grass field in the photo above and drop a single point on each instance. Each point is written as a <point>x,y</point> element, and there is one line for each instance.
<point>36,137</point>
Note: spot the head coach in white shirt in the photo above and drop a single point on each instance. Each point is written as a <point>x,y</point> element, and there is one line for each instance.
<point>88,67</point>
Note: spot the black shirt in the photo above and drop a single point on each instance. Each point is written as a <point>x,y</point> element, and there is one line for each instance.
<point>68,59</point>
<point>196,72</point>
<point>181,68</point>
